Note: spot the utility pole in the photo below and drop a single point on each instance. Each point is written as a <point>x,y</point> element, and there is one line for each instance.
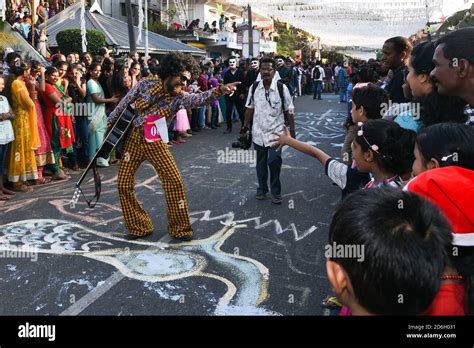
<point>33,20</point>
<point>428,24</point>
<point>146,28</point>
<point>131,33</point>
<point>249,9</point>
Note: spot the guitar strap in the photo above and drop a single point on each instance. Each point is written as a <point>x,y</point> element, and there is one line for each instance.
<point>97,187</point>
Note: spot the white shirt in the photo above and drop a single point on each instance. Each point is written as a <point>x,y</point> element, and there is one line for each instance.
<point>6,130</point>
<point>322,75</point>
<point>268,116</point>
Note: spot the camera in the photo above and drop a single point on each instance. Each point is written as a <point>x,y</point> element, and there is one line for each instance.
<point>243,143</point>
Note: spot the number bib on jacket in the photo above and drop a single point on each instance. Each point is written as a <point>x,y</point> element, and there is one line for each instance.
<point>151,131</point>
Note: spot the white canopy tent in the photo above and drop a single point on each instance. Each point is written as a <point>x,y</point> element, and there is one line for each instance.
<point>365,23</point>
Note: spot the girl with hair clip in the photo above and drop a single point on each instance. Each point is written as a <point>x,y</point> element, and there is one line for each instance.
<point>444,169</point>
<point>381,148</point>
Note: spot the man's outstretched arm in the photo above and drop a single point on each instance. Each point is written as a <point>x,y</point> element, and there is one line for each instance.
<point>191,101</point>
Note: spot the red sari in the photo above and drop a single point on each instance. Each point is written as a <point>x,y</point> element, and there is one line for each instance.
<point>63,119</point>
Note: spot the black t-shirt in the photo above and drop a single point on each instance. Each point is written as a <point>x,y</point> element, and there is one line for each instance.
<point>250,78</point>
<point>237,76</point>
<point>347,178</point>
<point>73,92</point>
<point>395,89</point>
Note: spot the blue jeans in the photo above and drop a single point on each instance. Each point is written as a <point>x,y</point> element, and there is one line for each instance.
<point>3,153</point>
<point>268,157</point>
<point>81,131</point>
<point>171,132</point>
<point>215,116</point>
<point>318,87</point>
<point>202,117</point>
<point>342,95</point>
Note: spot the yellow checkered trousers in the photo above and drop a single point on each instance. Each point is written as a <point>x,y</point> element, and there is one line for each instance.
<point>137,220</point>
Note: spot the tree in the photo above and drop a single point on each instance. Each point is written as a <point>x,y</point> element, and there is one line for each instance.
<point>70,40</point>
<point>291,39</point>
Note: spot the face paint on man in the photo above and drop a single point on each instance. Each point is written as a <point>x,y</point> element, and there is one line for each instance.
<point>233,63</point>
<point>280,62</point>
<point>254,64</point>
<point>175,84</point>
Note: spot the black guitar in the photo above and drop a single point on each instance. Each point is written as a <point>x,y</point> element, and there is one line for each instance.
<point>115,135</point>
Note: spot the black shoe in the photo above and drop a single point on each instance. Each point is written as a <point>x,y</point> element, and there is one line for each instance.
<point>213,127</point>
<point>185,238</point>
<point>228,131</point>
<point>277,200</point>
<point>195,130</point>
<point>260,196</point>
<point>134,236</point>
<point>189,131</point>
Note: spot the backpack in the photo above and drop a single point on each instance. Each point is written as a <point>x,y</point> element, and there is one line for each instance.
<point>280,92</point>
<point>316,73</point>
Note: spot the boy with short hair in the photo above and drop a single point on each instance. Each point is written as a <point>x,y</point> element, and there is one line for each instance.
<point>405,243</point>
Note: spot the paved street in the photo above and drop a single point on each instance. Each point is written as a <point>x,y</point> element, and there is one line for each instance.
<point>248,256</point>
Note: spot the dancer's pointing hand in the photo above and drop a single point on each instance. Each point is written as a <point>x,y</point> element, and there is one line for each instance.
<point>230,88</point>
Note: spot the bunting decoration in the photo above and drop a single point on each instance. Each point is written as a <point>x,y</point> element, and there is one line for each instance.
<point>352,22</point>
<point>220,9</point>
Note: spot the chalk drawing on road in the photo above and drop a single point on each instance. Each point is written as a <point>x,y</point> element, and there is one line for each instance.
<point>246,279</point>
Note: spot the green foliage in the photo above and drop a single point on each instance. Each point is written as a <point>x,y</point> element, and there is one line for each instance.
<point>334,56</point>
<point>70,40</point>
<point>159,28</point>
<point>460,19</point>
<point>291,39</point>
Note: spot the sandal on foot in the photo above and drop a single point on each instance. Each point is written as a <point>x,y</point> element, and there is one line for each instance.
<point>60,175</point>
<point>22,188</point>
<point>42,181</point>
<point>4,198</point>
<point>7,192</point>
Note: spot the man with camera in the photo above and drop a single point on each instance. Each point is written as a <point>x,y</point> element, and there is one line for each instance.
<point>269,107</point>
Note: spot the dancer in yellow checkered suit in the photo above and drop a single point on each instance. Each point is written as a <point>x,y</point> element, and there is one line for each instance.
<point>153,98</point>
